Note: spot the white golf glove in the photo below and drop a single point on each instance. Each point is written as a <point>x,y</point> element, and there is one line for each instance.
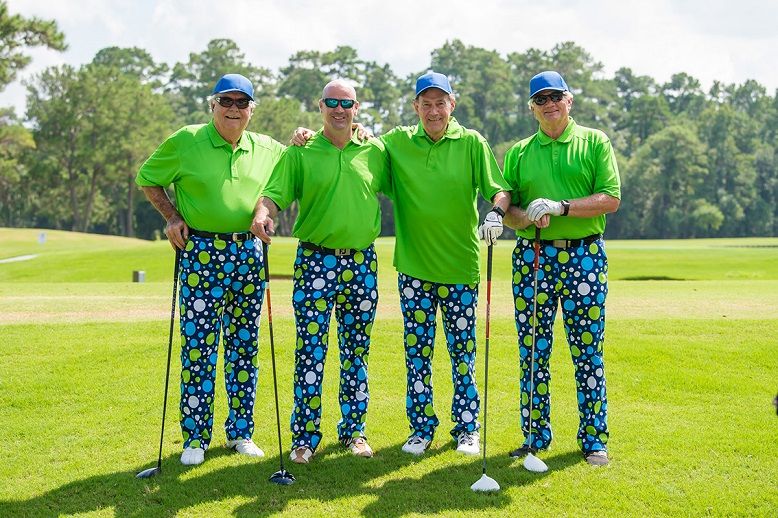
<point>542,206</point>
<point>491,228</point>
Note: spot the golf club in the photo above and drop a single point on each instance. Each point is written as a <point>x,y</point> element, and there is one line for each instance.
<point>147,473</point>
<point>281,477</point>
<point>532,463</point>
<point>486,483</point>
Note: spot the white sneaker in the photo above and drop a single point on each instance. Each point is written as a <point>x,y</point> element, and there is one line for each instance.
<point>246,447</point>
<point>469,443</point>
<point>416,445</point>
<point>193,456</point>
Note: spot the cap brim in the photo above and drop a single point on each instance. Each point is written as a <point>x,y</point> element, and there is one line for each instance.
<point>552,88</point>
<point>235,90</point>
<point>430,87</point>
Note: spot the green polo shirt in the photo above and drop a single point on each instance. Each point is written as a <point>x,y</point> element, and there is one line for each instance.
<point>336,189</point>
<point>435,190</point>
<point>581,162</point>
<point>216,187</point>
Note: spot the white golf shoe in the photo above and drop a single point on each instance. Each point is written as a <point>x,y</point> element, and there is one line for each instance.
<point>469,443</point>
<point>193,456</point>
<point>416,445</point>
<point>245,447</point>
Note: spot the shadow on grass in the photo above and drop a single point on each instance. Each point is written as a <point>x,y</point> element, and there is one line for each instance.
<point>333,477</point>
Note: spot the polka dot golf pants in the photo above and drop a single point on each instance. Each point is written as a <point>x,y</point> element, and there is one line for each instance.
<point>577,278</point>
<point>347,284</point>
<point>419,301</point>
<point>222,287</point>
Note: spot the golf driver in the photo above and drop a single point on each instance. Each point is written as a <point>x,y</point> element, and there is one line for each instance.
<point>281,477</point>
<point>532,463</point>
<point>486,483</point>
<point>147,473</point>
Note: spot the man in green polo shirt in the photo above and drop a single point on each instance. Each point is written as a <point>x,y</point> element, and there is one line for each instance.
<point>563,179</point>
<point>218,171</point>
<point>438,168</point>
<point>335,178</point>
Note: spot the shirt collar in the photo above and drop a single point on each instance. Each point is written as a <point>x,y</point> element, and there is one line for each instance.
<point>454,130</point>
<point>565,137</point>
<point>218,141</point>
<point>354,138</point>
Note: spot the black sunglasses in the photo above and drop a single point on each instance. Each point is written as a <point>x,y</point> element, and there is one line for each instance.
<point>227,102</point>
<point>329,102</point>
<point>540,100</point>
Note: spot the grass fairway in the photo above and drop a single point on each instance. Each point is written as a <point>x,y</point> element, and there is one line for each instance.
<point>691,368</point>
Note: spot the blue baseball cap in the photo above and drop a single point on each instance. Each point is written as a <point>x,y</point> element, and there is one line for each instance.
<point>432,80</point>
<point>548,80</point>
<point>234,83</point>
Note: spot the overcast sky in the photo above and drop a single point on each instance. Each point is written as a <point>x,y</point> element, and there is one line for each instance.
<point>710,39</point>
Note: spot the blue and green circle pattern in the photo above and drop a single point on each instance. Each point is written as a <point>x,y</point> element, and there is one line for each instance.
<point>419,301</point>
<point>347,284</point>
<point>576,279</point>
<point>222,287</point>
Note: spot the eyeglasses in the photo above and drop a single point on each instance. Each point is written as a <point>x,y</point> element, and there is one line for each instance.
<point>540,100</point>
<point>329,102</point>
<point>227,102</point>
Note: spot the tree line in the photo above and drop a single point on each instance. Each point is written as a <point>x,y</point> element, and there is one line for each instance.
<point>693,163</point>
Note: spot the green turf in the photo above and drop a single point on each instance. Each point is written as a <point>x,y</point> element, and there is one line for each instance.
<point>690,363</point>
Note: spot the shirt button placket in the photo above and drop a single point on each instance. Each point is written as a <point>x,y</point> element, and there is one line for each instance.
<point>234,164</point>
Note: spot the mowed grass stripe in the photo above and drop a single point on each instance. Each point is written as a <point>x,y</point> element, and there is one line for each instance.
<point>127,302</point>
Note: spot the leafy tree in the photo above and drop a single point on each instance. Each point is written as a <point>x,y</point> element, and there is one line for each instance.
<point>731,140</point>
<point>304,78</point>
<point>750,98</point>
<point>280,117</point>
<point>18,33</point>
<point>144,120</point>
<point>643,111</point>
<point>762,215</point>
<point>661,182</point>
<point>15,140</point>
<point>133,61</point>
<point>684,95</point>
<point>193,81</point>
<point>630,87</point>
<point>89,150</point>
<point>649,114</point>
<point>380,98</point>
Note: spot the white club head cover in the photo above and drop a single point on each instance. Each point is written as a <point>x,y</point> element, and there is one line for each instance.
<point>534,464</point>
<point>485,483</point>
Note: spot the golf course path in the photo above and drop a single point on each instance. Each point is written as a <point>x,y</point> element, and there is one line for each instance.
<point>18,258</point>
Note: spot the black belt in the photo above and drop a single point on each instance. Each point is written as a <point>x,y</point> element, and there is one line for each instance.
<point>566,243</point>
<point>223,236</point>
<point>328,251</point>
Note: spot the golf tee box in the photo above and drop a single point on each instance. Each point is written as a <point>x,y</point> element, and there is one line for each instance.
<point>138,276</point>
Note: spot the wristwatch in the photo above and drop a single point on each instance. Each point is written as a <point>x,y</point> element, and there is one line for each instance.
<point>565,207</point>
<point>498,210</point>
